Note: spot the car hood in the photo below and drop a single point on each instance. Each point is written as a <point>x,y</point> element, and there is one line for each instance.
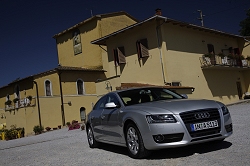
<point>175,106</point>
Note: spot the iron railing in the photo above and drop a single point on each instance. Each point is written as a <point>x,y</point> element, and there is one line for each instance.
<point>223,61</point>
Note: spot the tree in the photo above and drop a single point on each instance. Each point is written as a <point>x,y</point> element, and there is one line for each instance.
<point>245,25</point>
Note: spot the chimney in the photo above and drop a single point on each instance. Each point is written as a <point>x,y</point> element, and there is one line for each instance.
<point>158,11</point>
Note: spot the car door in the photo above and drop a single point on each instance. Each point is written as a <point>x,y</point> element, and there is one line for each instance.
<point>95,117</point>
<point>110,124</point>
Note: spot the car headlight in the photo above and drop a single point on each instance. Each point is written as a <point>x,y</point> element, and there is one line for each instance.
<point>166,118</point>
<point>224,110</point>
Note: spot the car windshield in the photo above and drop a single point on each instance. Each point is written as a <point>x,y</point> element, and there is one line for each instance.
<point>136,96</point>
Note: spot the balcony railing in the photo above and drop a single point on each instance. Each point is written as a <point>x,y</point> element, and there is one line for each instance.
<point>223,61</point>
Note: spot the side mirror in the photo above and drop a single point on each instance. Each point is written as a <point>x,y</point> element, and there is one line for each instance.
<point>184,96</point>
<point>111,105</point>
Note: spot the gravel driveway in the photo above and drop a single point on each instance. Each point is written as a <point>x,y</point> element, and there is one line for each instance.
<point>63,147</point>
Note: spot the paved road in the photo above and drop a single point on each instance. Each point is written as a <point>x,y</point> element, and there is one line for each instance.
<point>63,147</point>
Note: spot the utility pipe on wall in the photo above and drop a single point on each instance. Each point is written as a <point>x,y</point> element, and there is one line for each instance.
<point>38,104</point>
<point>159,47</point>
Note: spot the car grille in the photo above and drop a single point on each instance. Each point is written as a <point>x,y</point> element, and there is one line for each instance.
<point>189,118</point>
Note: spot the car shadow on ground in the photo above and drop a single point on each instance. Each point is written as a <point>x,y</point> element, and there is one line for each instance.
<point>189,150</point>
<point>173,152</point>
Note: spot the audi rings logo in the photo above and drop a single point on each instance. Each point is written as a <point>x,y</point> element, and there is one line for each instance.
<point>202,115</point>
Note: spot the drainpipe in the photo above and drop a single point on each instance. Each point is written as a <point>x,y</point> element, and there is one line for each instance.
<point>159,47</point>
<point>61,94</point>
<point>38,104</point>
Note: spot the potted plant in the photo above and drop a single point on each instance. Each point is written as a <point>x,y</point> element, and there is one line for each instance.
<point>231,56</point>
<point>8,102</point>
<point>38,129</point>
<point>248,58</point>
<point>242,57</point>
<point>15,100</point>
<point>209,55</point>
<point>29,97</point>
<point>68,124</point>
<point>221,55</point>
<point>48,128</point>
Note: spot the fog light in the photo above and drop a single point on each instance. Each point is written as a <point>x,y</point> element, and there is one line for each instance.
<point>229,128</point>
<point>159,138</point>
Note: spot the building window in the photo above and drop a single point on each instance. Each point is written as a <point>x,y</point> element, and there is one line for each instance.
<point>17,91</point>
<point>80,87</point>
<point>48,88</point>
<point>119,56</point>
<point>142,48</point>
<point>210,48</point>
<point>77,42</point>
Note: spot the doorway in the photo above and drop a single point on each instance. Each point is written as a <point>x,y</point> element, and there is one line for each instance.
<point>83,114</point>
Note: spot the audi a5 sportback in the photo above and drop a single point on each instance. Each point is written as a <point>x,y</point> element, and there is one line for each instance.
<point>144,119</point>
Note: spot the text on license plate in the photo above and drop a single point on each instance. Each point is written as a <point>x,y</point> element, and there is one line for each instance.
<point>204,125</point>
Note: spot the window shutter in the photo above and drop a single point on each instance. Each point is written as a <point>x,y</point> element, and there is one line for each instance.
<point>142,47</point>
<point>121,55</point>
<point>138,49</point>
<point>115,57</point>
<point>144,51</point>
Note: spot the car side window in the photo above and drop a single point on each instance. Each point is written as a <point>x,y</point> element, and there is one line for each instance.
<point>113,98</point>
<point>101,103</point>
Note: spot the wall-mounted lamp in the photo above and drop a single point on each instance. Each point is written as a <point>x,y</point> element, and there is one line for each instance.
<point>69,103</point>
<point>108,85</point>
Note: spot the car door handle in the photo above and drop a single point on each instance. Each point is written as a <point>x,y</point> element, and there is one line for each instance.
<point>102,117</point>
<point>121,111</point>
<point>92,117</point>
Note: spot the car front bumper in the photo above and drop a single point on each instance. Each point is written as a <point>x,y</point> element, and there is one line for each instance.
<point>167,135</point>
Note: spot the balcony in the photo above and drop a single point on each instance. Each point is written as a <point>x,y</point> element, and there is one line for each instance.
<point>217,62</point>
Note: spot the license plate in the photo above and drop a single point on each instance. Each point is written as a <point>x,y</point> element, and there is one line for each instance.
<point>204,125</point>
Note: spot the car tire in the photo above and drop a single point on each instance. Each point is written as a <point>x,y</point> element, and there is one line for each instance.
<point>91,139</point>
<point>134,142</point>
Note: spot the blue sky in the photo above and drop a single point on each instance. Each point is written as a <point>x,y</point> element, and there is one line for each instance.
<point>27,26</point>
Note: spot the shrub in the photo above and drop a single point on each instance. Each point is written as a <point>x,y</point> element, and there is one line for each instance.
<point>38,129</point>
<point>68,124</point>
<point>48,128</point>
<point>13,133</point>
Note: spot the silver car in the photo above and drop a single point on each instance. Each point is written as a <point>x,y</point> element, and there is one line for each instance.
<point>151,118</point>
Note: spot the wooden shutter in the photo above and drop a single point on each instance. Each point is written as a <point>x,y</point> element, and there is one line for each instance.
<point>121,55</point>
<point>144,48</point>
<point>115,57</point>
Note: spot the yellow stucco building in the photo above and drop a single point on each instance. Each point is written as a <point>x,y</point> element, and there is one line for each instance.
<point>67,92</point>
<point>165,52</point>
<point>115,51</point>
